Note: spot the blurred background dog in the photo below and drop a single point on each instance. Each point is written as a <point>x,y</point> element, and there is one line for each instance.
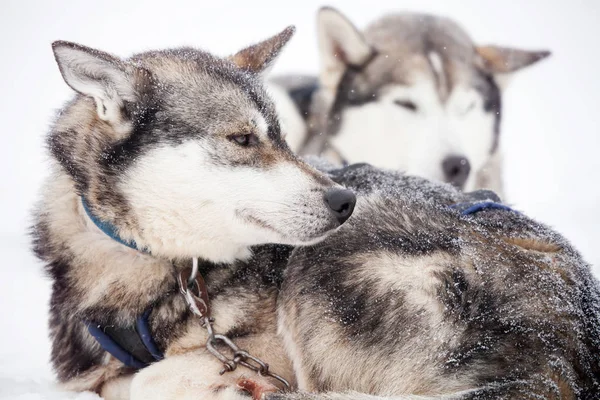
<point>412,92</point>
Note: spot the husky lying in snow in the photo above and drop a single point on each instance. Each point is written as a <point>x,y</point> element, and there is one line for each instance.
<point>412,92</point>
<point>181,154</point>
<point>177,154</point>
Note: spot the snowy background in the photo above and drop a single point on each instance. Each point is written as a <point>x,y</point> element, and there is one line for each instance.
<point>550,132</point>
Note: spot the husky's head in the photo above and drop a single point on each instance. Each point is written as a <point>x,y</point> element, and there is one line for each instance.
<point>182,152</point>
<point>412,93</point>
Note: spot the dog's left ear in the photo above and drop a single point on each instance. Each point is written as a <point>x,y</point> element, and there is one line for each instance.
<point>503,61</point>
<point>257,58</point>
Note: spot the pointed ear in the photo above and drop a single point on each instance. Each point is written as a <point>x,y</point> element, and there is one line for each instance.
<point>503,60</point>
<point>107,79</point>
<point>340,45</point>
<point>257,58</point>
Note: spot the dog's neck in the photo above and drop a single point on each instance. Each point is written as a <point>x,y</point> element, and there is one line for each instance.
<point>109,229</point>
<point>67,219</point>
<point>213,252</point>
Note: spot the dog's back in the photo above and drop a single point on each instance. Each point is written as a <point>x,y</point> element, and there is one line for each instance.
<point>411,298</point>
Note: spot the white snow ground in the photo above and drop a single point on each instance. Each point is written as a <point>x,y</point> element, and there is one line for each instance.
<point>550,126</point>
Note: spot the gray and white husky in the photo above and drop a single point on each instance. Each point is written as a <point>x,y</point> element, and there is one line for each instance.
<point>175,154</point>
<point>181,153</point>
<point>412,92</point>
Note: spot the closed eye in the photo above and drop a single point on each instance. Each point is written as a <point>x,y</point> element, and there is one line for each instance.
<point>407,104</point>
<point>469,108</point>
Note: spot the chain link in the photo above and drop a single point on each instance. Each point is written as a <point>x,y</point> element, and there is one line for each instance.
<point>193,289</point>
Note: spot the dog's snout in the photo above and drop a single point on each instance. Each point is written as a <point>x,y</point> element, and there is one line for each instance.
<point>456,170</point>
<point>341,203</point>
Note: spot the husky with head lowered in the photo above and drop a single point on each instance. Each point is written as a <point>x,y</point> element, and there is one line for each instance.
<point>161,157</point>
<point>412,92</point>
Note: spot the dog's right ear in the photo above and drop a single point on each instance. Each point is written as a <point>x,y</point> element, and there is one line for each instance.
<point>340,45</point>
<point>106,78</point>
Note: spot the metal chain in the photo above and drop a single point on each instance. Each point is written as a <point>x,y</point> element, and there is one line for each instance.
<point>193,289</point>
<point>194,273</point>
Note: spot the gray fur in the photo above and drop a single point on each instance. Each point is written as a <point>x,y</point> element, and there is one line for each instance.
<point>411,299</point>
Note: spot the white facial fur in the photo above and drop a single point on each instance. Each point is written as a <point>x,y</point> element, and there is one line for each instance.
<point>189,205</point>
<point>389,135</point>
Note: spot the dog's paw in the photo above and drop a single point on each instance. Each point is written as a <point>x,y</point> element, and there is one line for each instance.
<point>224,393</point>
<point>244,389</point>
<point>257,388</point>
<point>196,376</point>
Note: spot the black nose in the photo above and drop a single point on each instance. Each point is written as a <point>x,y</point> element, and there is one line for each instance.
<point>456,170</point>
<point>341,203</point>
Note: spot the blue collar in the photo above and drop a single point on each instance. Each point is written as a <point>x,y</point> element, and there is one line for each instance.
<point>109,229</point>
<point>134,347</point>
<point>475,207</point>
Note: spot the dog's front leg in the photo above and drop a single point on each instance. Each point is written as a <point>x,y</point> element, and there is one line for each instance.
<point>195,375</point>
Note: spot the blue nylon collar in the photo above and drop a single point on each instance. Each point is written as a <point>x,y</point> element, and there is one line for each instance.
<point>142,326</point>
<point>472,208</point>
<point>141,334</point>
<point>106,227</point>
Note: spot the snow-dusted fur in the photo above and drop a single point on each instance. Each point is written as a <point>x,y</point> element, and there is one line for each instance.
<point>181,152</point>
<point>411,300</point>
<point>412,92</point>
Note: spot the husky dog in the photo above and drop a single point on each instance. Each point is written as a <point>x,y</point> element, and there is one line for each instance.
<point>412,92</point>
<point>180,153</point>
<point>411,299</point>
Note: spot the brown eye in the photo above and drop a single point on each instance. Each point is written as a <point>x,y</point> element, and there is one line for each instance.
<point>409,105</point>
<point>244,139</point>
